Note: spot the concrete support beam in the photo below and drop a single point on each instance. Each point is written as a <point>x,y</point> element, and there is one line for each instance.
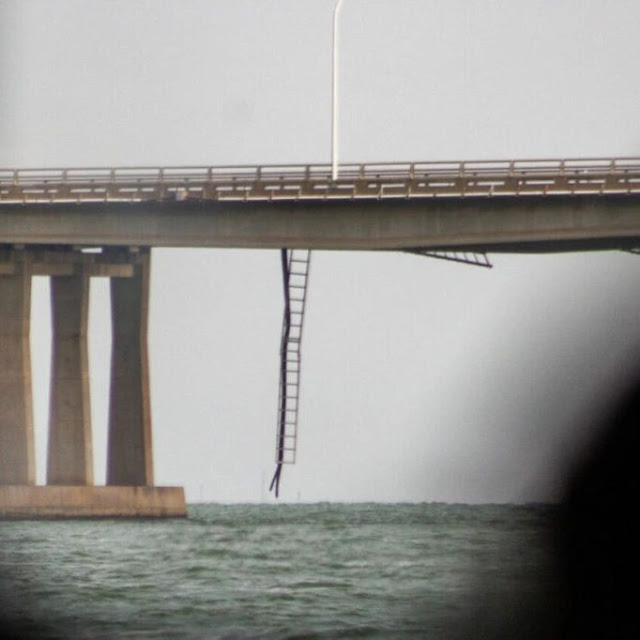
<point>7,268</point>
<point>70,456</point>
<point>110,270</point>
<point>504,223</point>
<point>91,502</point>
<point>97,270</point>
<point>64,263</point>
<point>129,450</point>
<point>17,455</point>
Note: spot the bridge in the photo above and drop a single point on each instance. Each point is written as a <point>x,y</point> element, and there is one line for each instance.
<point>74,224</point>
<point>498,206</point>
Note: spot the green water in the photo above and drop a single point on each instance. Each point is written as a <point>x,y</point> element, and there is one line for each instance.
<point>281,571</point>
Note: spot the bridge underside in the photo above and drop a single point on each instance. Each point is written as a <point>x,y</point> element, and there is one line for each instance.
<point>499,224</point>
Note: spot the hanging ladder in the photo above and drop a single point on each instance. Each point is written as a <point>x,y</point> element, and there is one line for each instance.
<point>295,276</point>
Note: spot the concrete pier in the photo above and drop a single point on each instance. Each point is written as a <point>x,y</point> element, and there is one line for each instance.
<point>69,492</point>
<point>17,454</point>
<point>29,502</point>
<point>129,453</point>
<point>70,454</point>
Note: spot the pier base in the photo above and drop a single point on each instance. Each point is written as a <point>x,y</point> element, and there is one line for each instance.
<point>39,502</point>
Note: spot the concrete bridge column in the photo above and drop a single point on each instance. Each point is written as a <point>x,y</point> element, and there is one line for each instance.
<point>70,456</point>
<point>70,492</point>
<point>17,456</point>
<point>129,450</point>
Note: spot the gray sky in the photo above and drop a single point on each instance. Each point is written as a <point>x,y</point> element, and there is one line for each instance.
<point>422,380</point>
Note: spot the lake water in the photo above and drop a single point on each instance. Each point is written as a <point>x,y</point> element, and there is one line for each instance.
<point>283,571</point>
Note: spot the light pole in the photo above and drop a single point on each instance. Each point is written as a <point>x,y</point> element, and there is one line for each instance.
<point>334,136</point>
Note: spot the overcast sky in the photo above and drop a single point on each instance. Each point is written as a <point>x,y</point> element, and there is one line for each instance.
<point>422,380</point>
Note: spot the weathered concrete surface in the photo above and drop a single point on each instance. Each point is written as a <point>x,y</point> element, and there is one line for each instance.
<point>129,450</point>
<point>396,223</point>
<point>91,502</point>
<point>17,455</point>
<point>70,456</point>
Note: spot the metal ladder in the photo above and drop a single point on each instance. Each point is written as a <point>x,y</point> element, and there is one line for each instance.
<point>295,277</point>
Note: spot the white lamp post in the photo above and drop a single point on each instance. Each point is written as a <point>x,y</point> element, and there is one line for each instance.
<point>334,137</point>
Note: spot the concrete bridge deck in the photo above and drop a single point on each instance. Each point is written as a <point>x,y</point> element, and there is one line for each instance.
<point>519,205</point>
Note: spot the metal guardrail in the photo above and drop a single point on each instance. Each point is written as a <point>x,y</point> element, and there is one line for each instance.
<point>313,182</point>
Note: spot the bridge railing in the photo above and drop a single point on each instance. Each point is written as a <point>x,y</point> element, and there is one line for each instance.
<point>317,172</point>
<point>356,181</point>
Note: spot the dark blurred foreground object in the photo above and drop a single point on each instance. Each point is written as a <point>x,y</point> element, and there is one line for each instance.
<point>588,590</point>
<point>598,531</point>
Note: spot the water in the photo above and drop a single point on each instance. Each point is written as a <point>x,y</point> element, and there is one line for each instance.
<point>282,571</point>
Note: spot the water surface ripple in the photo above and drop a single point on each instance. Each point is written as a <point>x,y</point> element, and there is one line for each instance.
<point>281,571</point>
